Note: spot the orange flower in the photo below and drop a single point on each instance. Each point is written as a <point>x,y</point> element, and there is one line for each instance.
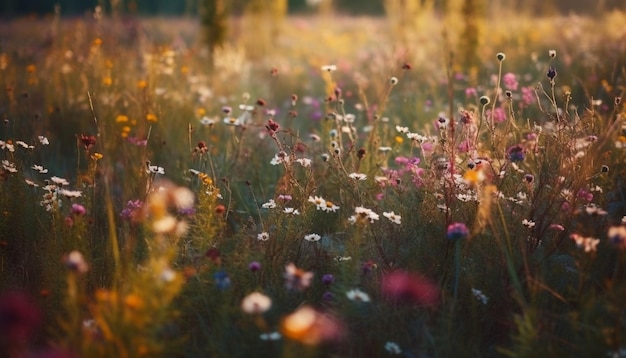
<point>121,118</point>
<point>133,301</point>
<point>309,326</point>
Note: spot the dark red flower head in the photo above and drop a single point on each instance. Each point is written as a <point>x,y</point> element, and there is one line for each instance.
<point>88,141</point>
<point>402,287</point>
<point>271,125</point>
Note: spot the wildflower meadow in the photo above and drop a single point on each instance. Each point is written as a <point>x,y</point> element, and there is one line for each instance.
<point>422,183</point>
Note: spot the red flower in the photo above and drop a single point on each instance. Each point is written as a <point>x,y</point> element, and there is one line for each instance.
<point>408,288</point>
<point>272,126</point>
<point>88,141</point>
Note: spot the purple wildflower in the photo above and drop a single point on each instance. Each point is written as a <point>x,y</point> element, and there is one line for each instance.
<point>516,153</point>
<point>457,231</point>
<point>328,279</point>
<point>254,266</point>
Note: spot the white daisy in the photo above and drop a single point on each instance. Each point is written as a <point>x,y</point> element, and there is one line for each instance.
<point>394,218</point>
<point>312,237</point>
<point>357,176</point>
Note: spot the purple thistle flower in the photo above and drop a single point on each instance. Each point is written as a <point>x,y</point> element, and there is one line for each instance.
<point>328,279</point>
<point>254,266</point>
<point>515,153</point>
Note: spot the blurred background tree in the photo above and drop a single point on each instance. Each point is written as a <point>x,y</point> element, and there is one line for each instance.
<point>9,8</point>
<point>214,17</point>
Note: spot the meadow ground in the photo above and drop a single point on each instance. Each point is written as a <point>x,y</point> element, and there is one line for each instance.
<point>320,186</point>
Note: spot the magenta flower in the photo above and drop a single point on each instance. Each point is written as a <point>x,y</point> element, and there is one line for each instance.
<point>528,95</point>
<point>510,81</point>
<point>498,116</point>
<point>78,210</point>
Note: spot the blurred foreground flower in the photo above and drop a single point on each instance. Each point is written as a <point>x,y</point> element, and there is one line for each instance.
<point>309,326</point>
<point>19,320</point>
<point>408,288</point>
<point>256,303</point>
<point>357,295</point>
<point>590,244</point>
<point>617,236</point>
<point>164,203</point>
<point>75,261</point>
<point>297,279</point>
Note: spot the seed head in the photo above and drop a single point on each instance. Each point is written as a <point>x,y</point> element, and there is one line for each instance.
<point>484,100</point>
<point>500,56</point>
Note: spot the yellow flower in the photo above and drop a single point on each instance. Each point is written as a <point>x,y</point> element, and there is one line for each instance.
<point>201,112</point>
<point>151,117</point>
<point>205,179</point>
<point>142,84</point>
<point>97,41</point>
<point>399,139</point>
<point>96,156</point>
<point>121,118</point>
<point>31,68</point>
<point>184,70</point>
<point>107,81</point>
<point>474,176</point>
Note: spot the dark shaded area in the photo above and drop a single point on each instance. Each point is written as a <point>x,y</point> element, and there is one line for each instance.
<point>11,8</point>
